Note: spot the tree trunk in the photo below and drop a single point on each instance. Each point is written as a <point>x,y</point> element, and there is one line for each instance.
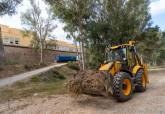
<point>153,60</point>
<point>82,55</point>
<point>41,52</point>
<point>82,45</point>
<point>2,53</point>
<point>78,54</point>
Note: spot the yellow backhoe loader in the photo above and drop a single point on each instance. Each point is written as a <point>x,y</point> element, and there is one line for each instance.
<point>125,70</point>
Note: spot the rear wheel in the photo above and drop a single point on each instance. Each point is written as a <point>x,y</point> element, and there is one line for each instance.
<point>140,81</point>
<point>122,86</point>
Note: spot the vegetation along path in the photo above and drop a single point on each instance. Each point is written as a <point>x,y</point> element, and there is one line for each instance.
<point>15,78</point>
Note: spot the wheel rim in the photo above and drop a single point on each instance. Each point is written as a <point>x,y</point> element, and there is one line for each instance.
<point>143,81</point>
<point>126,87</point>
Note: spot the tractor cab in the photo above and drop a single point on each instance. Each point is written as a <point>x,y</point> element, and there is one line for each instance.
<point>124,54</point>
<point>116,54</point>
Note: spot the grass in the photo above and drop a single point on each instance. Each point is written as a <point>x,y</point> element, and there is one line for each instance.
<point>49,83</point>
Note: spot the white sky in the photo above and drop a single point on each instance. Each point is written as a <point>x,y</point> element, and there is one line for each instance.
<point>14,21</point>
<point>157,7</point>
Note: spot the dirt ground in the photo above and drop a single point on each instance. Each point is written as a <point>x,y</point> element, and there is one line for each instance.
<point>13,69</point>
<point>10,70</point>
<point>150,102</point>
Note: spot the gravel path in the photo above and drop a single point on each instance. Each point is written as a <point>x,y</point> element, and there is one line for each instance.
<point>15,78</point>
<point>150,102</point>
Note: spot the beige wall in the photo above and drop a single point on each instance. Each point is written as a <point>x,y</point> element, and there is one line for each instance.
<point>13,34</point>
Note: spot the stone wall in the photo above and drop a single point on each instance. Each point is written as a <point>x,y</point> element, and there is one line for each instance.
<point>26,55</point>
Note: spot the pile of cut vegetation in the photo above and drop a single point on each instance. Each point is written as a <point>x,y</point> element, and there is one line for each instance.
<point>87,82</point>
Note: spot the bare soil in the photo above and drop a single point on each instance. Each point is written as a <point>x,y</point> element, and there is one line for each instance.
<point>152,101</point>
<point>13,69</point>
<point>10,70</point>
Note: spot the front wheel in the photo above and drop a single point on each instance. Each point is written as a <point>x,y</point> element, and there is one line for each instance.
<point>122,86</point>
<point>140,81</point>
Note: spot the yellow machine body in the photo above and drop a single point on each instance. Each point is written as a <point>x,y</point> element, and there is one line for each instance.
<point>114,67</point>
<point>128,68</point>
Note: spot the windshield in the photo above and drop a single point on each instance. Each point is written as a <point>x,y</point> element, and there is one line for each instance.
<point>117,54</point>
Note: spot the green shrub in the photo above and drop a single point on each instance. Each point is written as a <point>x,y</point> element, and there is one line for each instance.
<point>58,75</point>
<point>73,65</point>
<point>36,79</point>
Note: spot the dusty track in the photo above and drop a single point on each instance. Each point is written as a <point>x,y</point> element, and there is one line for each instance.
<point>150,102</point>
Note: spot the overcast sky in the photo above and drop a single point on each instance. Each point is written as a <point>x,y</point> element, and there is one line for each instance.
<point>157,11</point>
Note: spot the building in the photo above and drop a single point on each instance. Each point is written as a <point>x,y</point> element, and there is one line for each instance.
<point>13,36</point>
<point>61,45</point>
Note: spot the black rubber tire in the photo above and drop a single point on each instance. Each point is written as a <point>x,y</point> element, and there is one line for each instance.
<point>139,86</point>
<point>118,85</point>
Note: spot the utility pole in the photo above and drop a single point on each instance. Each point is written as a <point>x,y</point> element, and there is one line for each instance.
<point>2,53</point>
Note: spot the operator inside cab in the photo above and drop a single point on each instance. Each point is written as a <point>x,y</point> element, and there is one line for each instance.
<point>118,54</point>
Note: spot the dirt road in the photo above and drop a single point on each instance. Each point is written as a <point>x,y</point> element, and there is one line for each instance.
<point>15,78</point>
<point>150,102</point>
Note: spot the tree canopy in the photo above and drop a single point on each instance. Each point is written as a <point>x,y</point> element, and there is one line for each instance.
<point>8,6</point>
<point>39,26</point>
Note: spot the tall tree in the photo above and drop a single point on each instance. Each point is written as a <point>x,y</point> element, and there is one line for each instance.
<point>74,36</point>
<point>74,13</point>
<point>115,22</point>
<point>40,26</point>
<point>127,18</point>
<point>8,6</point>
<point>150,44</point>
<point>162,50</point>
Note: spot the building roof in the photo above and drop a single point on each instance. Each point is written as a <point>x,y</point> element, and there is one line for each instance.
<point>63,43</point>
